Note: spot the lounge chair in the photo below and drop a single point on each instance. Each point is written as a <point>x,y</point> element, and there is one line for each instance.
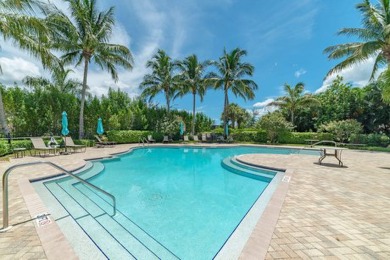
<point>101,143</point>
<point>70,144</point>
<point>195,138</point>
<point>166,139</point>
<point>204,138</point>
<point>185,139</point>
<point>150,139</point>
<point>40,146</point>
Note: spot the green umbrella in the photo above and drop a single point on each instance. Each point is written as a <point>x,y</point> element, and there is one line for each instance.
<point>64,130</point>
<point>181,128</point>
<point>99,128</point>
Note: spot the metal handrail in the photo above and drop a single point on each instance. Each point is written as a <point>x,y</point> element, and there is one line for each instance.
<point>5,189</point>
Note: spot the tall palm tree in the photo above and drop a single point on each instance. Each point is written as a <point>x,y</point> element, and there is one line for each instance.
<point>84,38</point>
<point>18,23</point>
<point>192,81</point>
<point>229,77</point>
<point>161,79</point>
<point>374,36</point>
<point>294,100</point>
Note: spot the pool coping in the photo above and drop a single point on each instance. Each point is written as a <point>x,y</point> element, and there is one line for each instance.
<point>56,245</point>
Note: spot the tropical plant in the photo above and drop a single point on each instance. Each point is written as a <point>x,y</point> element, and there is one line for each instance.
<point>27,32</point>
<point>275,125</point>
<point>161,79</point>
<point>236,114</point>
<point>342,130</point>
<point>374,36</point>
<point>294,100</point>
<point>84,38</point>
<point>59,80</point>
<point>192,81</point>
<point>229,77</point>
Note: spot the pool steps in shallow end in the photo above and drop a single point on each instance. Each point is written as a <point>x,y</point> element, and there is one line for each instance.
<point>91,213</point>
<point>234,166</point>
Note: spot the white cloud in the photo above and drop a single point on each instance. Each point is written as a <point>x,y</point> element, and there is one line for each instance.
<point>263,108</point>
<point>299,73</point>
<point>120,35</point>
<point>358,75</point>
<point>264,103</point>
<point>16,69</point>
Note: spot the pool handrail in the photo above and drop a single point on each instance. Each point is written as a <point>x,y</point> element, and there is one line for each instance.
<point>5,189</point>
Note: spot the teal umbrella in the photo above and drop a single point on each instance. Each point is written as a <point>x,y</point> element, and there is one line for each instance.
<point>99,128</point>
<point>64,130</point>
<point>181,128</point>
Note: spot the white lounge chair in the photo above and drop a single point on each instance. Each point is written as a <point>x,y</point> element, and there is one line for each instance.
<point>75,147</point>
<point>40,146</point>
<point>150,139</point>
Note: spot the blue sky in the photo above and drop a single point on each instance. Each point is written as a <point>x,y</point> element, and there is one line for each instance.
<point>284,39</point>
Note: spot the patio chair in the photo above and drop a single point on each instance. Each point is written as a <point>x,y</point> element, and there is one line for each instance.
<point>204,138</point>
<point>40,146</point>
<point>150,139</point>
<point>75,147</point>
<point>185,139</point>
<point>101,143</point>
<point>195,138</point>
<point>166,139</point>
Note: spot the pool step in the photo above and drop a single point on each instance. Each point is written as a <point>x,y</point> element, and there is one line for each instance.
<point>103,239</point>
<point>244,171</point>
<point>146,244</point>
<point>252,168</point>
<point>92,211</point>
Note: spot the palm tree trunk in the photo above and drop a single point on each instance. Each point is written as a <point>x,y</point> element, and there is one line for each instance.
<point>226,105</point>
<point>193,114</point>
<point>3,120</point>
<point>292,118</point>
<point>81,119</point>
<point>168,101</point>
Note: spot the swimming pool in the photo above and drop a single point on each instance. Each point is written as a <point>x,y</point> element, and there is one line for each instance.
<point>172,202</point>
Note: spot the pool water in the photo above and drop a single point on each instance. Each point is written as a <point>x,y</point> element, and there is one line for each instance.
<point>182,197</point>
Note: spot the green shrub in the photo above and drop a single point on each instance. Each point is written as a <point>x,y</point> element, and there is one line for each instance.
<point>252,136</point>
<point>86,142</point>
<point>370,139</point>
<point>275,125</point>
<point>126,136</point>
<point>342,130</point>
<point>299,138</point>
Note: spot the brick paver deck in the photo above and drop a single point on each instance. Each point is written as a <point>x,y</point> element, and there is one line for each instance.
<point>328,212</point>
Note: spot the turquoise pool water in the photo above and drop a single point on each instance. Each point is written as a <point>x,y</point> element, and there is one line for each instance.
<point>182,197</point>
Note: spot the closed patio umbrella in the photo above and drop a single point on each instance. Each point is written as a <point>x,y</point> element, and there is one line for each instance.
<point>65,130</point>
<point>100,129</point>
<point>181,128</point>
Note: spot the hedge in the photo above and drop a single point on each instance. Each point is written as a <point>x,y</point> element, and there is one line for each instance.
<point>370,139</point>
<point>5,148</point>
<point>299,138</point>
<point>126,136</point>
<point>256,136</point>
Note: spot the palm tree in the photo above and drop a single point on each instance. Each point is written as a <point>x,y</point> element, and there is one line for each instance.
<point>193,81</point>
<point>294,100</point>
<point>59,80</point>
<point>374,36</point>
<point>84,38</point>
<point>161,79</point>
<point>231,70</point>
<point>26,31</point>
